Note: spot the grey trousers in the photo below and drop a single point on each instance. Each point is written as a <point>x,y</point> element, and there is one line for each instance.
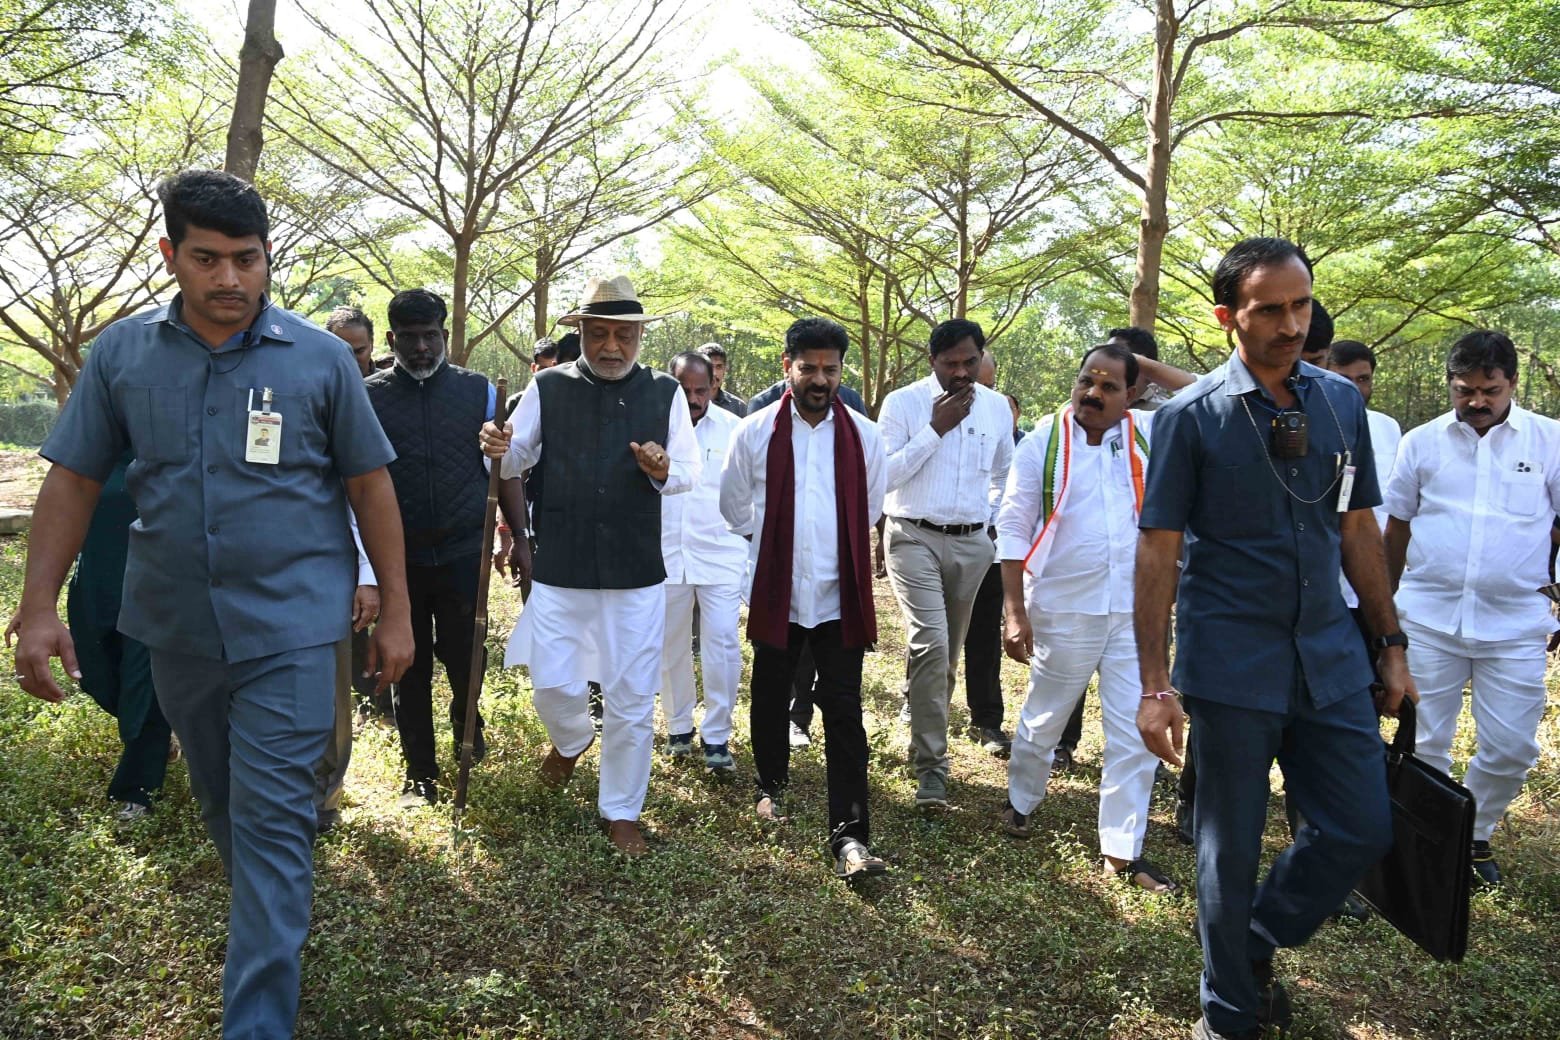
<point>330,773</point>
<point>935,577</point>
<point>252,732</point>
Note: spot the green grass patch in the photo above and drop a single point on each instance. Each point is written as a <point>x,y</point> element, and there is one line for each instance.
<point>528,925</point>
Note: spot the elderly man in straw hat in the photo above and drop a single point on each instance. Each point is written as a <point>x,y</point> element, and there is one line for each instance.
<point>598,602</point>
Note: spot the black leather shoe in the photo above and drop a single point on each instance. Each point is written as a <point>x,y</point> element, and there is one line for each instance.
<point>1353,909</point>
<point>994,742</point>
<point>1484,866</point>
<point>1062,759</point>
<point>1274,1012</point>
<point>855,861</point>
<point>1206,1032</point>
<point>419,792</point>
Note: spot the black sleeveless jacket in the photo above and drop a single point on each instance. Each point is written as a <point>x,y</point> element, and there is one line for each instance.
<point>599,526</point>
<point>439,478</point>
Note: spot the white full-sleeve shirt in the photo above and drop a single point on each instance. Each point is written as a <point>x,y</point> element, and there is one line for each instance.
<point>1091,564</point>
<point>696,545</point>
<point>1385,436</point>
<point>815,568</point>
<point>956,478</point>
<point>1481,509</point>
<point>365,569</point>
<point>682,447</point>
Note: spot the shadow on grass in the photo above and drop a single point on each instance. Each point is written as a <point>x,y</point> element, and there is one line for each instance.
<point>529,925</point>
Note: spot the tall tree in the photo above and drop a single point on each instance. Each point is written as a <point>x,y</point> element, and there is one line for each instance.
<point>60,59</point>
<point>79,237</point>
<point>851,198</point>
<point>1083,73</point>
<point>257,61</point>
<point>449,110</point>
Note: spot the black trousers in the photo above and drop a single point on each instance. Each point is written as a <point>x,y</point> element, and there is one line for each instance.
<point>443,600</point>
<point>983,653</point>
<point>838,698</point>
<point>1074,731</point>
<point>802,681</point>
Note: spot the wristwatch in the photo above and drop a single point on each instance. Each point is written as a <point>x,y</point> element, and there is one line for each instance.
<point>1380,643</point>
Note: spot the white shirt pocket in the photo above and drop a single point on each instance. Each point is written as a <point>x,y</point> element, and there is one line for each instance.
<point>1521,493</point>
<point>985,451</point>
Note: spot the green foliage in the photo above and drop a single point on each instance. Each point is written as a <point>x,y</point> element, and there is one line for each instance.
<point>26,422</point>
<point>523,924</point>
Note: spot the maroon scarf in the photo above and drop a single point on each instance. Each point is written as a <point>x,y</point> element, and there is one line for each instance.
<point>769,613</point>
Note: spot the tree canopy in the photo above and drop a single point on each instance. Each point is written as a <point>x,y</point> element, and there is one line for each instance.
<point>1048,170</point>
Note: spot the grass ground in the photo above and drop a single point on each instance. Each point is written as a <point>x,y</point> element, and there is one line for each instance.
<point>530,927</point>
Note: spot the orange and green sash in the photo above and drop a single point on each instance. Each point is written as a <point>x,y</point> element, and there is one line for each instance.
<point>1058,467</point>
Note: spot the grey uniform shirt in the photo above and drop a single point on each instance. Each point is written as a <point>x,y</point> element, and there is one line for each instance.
<point>230,560</point>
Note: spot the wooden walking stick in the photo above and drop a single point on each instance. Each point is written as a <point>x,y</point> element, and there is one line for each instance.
<point>479,622</point>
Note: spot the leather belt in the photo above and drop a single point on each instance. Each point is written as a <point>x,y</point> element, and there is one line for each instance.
<point>953,529</point>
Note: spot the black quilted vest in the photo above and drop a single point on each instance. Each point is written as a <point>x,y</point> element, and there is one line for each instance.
<point>438,474</point>
<point>599,526</point>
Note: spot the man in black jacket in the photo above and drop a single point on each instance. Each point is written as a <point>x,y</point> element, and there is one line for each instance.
<point>432,412</point>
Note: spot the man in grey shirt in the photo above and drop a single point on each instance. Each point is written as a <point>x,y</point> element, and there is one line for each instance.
<point>245,422</point>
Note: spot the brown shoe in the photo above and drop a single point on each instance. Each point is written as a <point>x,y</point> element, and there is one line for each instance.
<point>625,837</point>
<point>557,769</point>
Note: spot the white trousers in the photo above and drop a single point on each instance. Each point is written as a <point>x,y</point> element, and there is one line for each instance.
<point>1507,703</point>
<point>612,636</point>
<point>1069,650</point>
<point>627,725</point>
<point>720,655</point>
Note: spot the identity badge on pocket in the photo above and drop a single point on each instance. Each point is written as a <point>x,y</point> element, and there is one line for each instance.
<point>263,440</point>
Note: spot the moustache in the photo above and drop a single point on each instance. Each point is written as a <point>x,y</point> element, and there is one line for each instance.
<point>1089,402</point>
<point>1478,411</point>
<point>227,297</point>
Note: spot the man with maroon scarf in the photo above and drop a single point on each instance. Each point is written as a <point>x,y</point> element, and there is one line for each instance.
<point>804,481</point>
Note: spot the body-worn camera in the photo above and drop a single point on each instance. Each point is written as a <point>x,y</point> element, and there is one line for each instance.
<point>1290,435</point>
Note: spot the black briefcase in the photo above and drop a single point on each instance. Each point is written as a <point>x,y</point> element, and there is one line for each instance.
<point>1421,886</point>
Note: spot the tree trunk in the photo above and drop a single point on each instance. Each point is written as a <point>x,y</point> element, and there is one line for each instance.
<point>542,291</point>
<point>1155,223</point>
<point>256,61</point>
<point>864,311</point>
<point>458,351</point>
<point>961,303</point>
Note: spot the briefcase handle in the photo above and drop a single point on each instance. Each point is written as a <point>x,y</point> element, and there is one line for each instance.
<point>1403,740</point>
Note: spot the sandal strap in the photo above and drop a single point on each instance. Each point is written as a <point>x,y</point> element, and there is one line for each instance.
<point>1152,871</point>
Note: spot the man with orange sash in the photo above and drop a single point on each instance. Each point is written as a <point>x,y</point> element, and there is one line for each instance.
<point>1066,535</point>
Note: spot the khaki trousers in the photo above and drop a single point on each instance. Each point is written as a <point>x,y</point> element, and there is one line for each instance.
<point>935,578</point>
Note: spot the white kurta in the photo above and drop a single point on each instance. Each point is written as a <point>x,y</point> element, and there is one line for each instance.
<point>1385,435</point>
<point>1080,612</point>
<point>704,565</point>
<point>815,572</point>
<point>611,636</point>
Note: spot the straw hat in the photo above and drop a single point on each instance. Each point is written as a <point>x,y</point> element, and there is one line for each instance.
<point>611,298</point>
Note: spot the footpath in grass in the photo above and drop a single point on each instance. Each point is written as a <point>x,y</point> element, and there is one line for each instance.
<point>526,925</point>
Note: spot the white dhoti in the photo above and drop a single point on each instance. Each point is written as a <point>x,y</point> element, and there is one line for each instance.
<point>719,651</point>
<point>568,637</point>
<point>1069,650</point>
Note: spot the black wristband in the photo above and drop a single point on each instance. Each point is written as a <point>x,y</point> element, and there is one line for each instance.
<point>1380,643</point>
